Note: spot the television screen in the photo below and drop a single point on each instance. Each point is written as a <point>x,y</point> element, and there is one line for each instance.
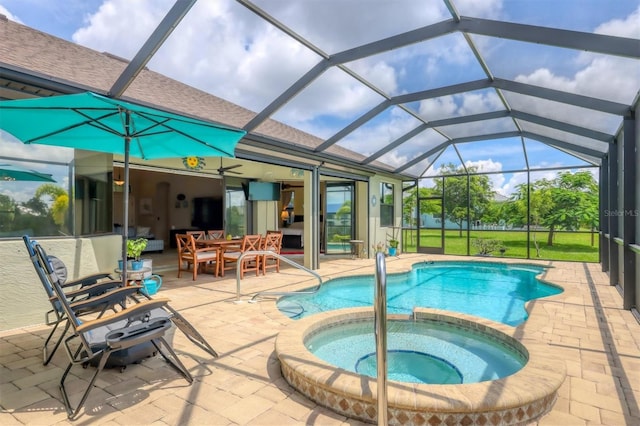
<point>207,213</point>
<point>264,191</point>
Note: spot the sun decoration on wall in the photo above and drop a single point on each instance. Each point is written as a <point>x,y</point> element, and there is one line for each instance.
<point>193,163</point>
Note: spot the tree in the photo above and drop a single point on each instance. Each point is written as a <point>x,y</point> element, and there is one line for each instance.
<point>457,196</point>
<point>7,212</point>
<point>344,210</point>
<point>410,210</point>
<point>569,201</point>
<point>409,204</point>
<point>494,212</point>
<point>539,206</point>
<point>574,197</point>
<point>60,202</point>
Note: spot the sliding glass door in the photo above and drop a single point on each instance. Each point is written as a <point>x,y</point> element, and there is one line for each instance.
<point>235,211</point>
<point>338,214</point>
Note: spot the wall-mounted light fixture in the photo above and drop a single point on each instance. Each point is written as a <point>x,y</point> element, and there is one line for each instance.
<point>118,181</point>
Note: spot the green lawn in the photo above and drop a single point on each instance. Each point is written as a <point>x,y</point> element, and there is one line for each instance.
<point>566,246</point>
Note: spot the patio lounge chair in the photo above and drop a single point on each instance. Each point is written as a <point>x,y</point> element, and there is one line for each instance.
<point>79,291</point>
<point>138,322</point>
<point>94,298</point>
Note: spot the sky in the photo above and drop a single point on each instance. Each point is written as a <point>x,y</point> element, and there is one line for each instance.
<point>224,49</point>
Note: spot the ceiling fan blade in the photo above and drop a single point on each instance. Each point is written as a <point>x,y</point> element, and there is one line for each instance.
<point>235,166</point>
<point>233,172</point>
<point>228,169</point>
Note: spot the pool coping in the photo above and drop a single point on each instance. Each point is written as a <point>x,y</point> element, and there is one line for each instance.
<point>521,398</point>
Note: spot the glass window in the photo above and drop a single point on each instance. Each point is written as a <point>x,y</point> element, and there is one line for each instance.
<point>94,194</point>
<point>386,204</point>
<point>30,203</point>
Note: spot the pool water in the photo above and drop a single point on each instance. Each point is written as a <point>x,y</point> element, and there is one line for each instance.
<point>490,290</point>
<point>411,366</point>
<point>418,352</point>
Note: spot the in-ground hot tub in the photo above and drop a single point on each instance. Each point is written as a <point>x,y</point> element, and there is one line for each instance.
<point>520,397</point>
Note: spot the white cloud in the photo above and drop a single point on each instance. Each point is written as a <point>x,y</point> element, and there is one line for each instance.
<point>10,16</point>
<point>489,166</point>
<point>460,105</point>
<point>12,147</point>
<point>490,9</point>
<point>121,26</point>
<point>507,185</point>
<point>369,139</point>
<point>622,27</point>
<point>601,76</point>
<point>223,49</point>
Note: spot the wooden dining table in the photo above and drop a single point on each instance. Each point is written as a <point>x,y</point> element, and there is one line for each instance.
<point>223,243</point>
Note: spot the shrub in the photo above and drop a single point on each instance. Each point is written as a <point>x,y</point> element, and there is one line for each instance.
<point>486,246</point>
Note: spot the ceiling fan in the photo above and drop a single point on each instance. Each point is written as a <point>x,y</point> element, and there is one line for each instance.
<point>222,170</point>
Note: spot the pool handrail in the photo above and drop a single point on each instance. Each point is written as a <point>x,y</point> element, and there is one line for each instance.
<point>274,293</point>
<point>380,320</point>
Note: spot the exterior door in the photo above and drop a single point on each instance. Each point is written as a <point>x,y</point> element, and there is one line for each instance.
<point>235,206</point>
<point>430,225</point>
<point>338,214</point>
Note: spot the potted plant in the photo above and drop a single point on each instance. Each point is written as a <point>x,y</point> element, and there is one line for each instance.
<point>393,247</point>
<point>134,250</point>
<point>378,247</point>
<point>393,241</point>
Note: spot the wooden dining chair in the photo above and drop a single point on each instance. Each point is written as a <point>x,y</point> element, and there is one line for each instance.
<point>271,242</point>
<point>196,257</point>
<point>249,263</point>
<point>198,235</point>
<point>215,234</point>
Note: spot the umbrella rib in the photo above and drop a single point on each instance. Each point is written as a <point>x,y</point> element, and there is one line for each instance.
<point>174,130</point>
<point>90,121</point>
<point>97,122</point>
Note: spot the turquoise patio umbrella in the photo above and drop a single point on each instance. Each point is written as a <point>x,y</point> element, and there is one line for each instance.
<point>93,122</point>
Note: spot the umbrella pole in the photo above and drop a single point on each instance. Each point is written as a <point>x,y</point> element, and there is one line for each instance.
<point>125,220</point>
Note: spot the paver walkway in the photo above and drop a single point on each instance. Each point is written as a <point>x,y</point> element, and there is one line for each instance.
<point>584,327</point>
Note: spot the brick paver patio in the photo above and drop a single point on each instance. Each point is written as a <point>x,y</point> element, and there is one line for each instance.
<point>584,328</point>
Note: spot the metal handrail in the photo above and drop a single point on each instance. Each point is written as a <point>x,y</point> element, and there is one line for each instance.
<point>274,293</point>
<point>380,320</point>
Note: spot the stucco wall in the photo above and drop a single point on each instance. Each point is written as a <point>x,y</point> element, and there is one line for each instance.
<point>23,301</point>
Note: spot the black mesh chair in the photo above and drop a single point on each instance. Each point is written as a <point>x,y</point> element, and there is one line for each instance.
<point>79,292</point>
<point>124,325</point>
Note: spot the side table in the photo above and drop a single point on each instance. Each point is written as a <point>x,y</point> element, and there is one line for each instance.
<point>133,277</point>
<point>356,248</point>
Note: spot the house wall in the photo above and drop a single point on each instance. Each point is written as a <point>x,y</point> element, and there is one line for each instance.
<point>378,233</point>
<point>23,301</point>
<point>265,215</point>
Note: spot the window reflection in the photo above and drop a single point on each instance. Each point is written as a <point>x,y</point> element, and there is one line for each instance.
<point>36,208</point>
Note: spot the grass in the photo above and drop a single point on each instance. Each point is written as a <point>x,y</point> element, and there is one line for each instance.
<point>574,246</point>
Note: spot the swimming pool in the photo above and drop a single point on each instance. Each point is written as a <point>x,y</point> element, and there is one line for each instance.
<point>491,290</point>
